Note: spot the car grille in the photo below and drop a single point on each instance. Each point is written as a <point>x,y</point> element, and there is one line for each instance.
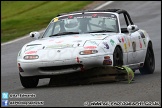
<point>64,67</point>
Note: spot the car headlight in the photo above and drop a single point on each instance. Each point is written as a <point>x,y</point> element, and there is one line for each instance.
<point>31,57</point>
<point>86,52</point>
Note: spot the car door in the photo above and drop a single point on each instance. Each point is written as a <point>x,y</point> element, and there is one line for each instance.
<point>134,49</point>
<point>138,48</point>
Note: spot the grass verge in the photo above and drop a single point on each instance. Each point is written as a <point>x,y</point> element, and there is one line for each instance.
<point>19,18</point>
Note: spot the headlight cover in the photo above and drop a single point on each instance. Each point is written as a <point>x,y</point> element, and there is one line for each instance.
<point>87,52</point>
<point>31,57</point>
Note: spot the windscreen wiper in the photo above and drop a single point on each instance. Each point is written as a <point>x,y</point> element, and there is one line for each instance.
<point>64,33</point>
<point>100,31</point>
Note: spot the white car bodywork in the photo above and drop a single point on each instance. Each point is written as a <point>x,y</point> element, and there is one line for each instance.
<point>65,50</point>
<point>64,53</point>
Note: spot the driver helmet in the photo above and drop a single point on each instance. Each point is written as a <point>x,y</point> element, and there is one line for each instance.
<point>71,25</point>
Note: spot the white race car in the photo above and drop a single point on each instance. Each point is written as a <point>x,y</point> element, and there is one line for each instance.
<point>83,40</point>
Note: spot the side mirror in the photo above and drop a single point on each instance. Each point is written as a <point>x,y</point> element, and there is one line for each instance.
<point>34,35</point>
<point>132,28</point>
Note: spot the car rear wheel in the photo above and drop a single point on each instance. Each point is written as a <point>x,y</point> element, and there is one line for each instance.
<point>118,57</point>
<point>149,64</point>
<point>29,82</point>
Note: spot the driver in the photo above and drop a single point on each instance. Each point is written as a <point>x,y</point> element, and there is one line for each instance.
<point>71,25</point>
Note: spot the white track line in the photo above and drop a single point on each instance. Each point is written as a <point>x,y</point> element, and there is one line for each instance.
<point>26,36</point>
<point>103,5</point>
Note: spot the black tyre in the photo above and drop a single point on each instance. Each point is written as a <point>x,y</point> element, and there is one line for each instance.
<point>149,64</point>
<point>29,82</point>
<point>117,57</point>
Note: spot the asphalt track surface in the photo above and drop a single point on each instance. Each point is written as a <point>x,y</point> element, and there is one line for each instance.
<point>146,88</point>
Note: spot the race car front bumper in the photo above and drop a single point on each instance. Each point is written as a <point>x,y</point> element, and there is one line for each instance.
<point>56,67</point>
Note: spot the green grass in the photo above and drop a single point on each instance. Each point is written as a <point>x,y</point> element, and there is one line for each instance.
<point>19,18</point>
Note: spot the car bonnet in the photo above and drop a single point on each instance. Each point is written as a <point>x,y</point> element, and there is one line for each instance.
<point>69,40</point>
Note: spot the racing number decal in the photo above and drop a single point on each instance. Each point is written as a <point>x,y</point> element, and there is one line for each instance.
<point>55,19</point>
<point>128,42</point>
<point>143,37</point>
<point>112,42</point>
<point>125,47</point>
<point>144,42</point>
<point>106,45</point>
<point>94,15</point>
<point>134,46</point>
<point>134,54</point>
<point>140,44</point>
<point>70,17</point>
<point>140,41</point>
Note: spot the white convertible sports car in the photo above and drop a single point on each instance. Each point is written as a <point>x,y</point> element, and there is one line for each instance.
<point>82,40</point>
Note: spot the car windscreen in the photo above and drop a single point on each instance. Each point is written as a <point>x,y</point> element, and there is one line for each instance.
<point>82,23</point>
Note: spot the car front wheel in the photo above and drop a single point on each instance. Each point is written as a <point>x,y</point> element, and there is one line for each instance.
<point>29,82</point>
<point>118,57</point>
<point>149,64</point>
